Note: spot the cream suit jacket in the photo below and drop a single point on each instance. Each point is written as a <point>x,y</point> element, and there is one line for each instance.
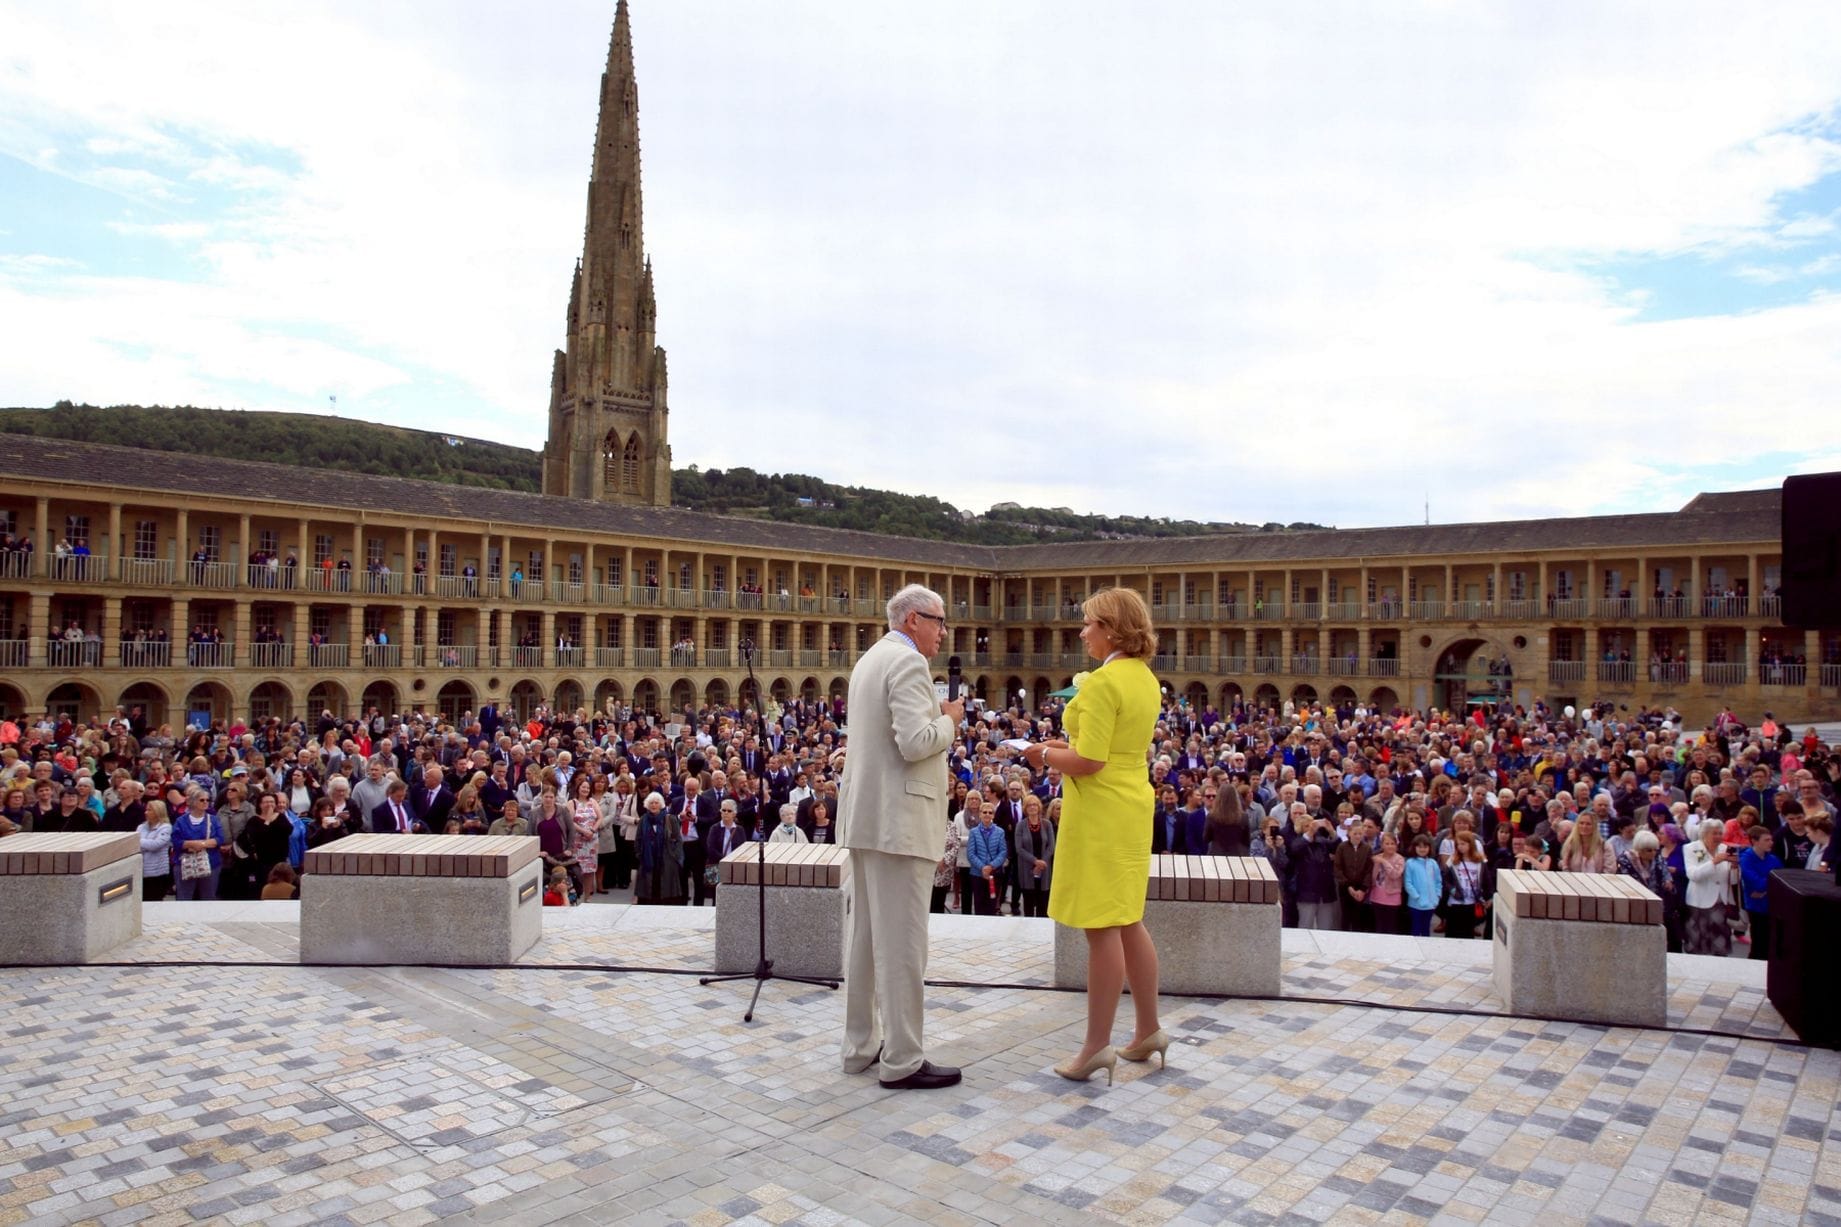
<point>891,798</point>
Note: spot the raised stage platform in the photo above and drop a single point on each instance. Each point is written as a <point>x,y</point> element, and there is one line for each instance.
<point>558,1091</point>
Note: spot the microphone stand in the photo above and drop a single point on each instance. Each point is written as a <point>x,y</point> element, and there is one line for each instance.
<point>763,968</point>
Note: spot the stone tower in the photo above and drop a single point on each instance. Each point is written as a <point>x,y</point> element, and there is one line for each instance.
<point>607,389</point>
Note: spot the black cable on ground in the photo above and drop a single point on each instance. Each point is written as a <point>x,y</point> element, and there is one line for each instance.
<point>624,969</point>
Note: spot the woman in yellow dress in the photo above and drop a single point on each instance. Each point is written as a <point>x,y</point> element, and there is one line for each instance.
<point>1103,855</point>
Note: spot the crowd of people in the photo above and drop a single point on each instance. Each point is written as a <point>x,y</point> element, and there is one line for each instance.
<point>1373,821</point>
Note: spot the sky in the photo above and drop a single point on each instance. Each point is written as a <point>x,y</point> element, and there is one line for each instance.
<point>1340,262</point>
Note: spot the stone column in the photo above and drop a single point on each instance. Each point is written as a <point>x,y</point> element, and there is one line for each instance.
<point>181,627</point>
<point>38,620</point>
<point>548,635</point>
<point>241,617</point>
<point>1697,646</point>
<point>241,557</point>
<point>111,629</point>
<point>1287,644</point>
<point>116,552</point>
<point>41,560</point>
<point>297,637</point>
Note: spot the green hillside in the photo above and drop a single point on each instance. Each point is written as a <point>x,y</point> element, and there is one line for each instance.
<point>368,447</point>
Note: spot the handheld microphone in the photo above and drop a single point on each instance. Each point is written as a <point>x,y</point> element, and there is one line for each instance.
<point>953,678</point>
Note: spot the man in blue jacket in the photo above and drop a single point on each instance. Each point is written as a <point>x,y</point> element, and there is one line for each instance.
<point>1756,864</point>
<point>987,852</point>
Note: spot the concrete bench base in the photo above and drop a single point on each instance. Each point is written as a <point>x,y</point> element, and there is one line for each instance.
<point>460,921</point>
<point>1595,972</point>
<point>54,919</point>
<point>805,929</point>
<point>1227,948</point>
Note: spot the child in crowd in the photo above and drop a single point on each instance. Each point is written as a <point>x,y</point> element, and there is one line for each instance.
<point>1385,896</point>
<point>558,894</point>
<point>1756,864</point>
<point>1424,880</point>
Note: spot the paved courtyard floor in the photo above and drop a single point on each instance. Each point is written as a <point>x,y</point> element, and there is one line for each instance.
<point>1386,1087</point>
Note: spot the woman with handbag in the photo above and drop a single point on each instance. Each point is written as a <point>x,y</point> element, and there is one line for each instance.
<point>1466,887</point>
<point>197,836</point>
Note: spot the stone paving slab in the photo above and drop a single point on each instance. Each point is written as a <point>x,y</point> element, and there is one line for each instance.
<point>557,1094</point>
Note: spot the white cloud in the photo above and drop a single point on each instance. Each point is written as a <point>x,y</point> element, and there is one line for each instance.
<point>1250,262</point>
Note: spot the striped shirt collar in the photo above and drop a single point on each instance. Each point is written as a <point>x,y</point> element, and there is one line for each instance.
<point>903,636</point>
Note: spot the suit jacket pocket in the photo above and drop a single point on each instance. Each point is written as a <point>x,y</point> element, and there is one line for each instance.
<point>920,788</point>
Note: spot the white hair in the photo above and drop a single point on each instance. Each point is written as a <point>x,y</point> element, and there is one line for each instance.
<point>787,811</point>
<point>915,598</point>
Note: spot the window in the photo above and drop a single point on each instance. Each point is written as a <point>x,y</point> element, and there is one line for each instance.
<point>719,635</point>
<point>210,539</point>
<point>373,551</point>
<point>1294,590</point>
<point>139,616</point>
<point>72,611</point>
<point>492,630</point>
<point>1562,584</point>
<point>1371,589</point>
<point>322,549</point>
<point>76,530</point>
<point>748,576</point>
<point>206,617</point>
<point>610,461</point>
<point>575,568</point>
<point>1613,582</point>
<point>533,571</point>
<point>610,632</point>
<point>444,627</point>
<point>651,572</point>
<point>9,521</point>
<point>268,541</point>
<point>146,538</point>
<point>779,636</point>
<point>373,620</point>
<point>616,572</point>
<point>719,576</point>
<point>1224,592</point>
<point>449,555</point>
<point>571,626</point>
<point>648,632</point>
<point>6,619</point>
<point>319,622</point>
<point>629,466</point>
<point>1518,585</point>
<point>779,580</point>
<point>684,577</point>
<point>1156,592</point>
<point>1489,586</point>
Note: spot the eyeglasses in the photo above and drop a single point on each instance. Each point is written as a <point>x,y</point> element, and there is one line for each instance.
<point>940,618</point>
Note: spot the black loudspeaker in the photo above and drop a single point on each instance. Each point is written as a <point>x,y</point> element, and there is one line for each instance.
<point>1812,550</point>
<point>1805,909</point>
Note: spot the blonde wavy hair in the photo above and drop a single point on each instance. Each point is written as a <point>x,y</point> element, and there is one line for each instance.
<point>1125,618</point>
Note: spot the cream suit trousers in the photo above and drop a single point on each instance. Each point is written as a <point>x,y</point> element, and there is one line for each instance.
<point>885,961</point>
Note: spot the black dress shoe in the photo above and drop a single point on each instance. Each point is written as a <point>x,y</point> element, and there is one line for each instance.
<point>928,1077</point>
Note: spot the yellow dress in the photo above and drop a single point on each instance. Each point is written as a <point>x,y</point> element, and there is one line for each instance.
<point>1103,846</point>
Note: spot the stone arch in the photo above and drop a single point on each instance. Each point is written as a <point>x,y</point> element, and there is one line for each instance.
<point>271,699</point>
<point>453,700</point>
<point>1012,684</point>
<point>1303,693</point>
<point>78,700</point>
<point>1341,695</point>
<point>840,687</point>
<point>208,697</point>
<point>525,697</point>
<point>1461,669</point>
<point>1197,694</point>
<point>629,465</point>
<point>750,693</point>
<point>716,694</point>
<point>645,696</point>
<point>610,460</point>
<point>808,690</point>
<point>1266,697</point>
<point>151,697</point>
<point>1231,693</point>
<point>781,690</point>
<point>608,691</point>
<point>325,696</point>
<point>12,701</point>
<point>569,695</point>
<point>383,695</point>
<point>683,694</point>
<point>1383,699</point>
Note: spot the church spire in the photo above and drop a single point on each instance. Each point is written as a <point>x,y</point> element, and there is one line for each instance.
<point>612,396</point>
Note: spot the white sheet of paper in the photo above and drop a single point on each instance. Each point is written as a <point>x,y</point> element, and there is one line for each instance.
<point>1014,743</point>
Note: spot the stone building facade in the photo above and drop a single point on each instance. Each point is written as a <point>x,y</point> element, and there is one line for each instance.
<point>608,413</point>
<point>527,598</point>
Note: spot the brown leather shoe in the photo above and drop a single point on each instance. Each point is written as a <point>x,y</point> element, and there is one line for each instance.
<point>929,1077</point>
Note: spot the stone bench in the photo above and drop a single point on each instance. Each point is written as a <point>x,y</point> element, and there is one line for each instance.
<point>1215,920</point>
<point>1585,946</point>
<point>472,900</point>
<point>68,898</point>
<point>807,905</point>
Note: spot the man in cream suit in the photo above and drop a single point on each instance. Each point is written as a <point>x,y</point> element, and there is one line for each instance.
<point>891,815</point>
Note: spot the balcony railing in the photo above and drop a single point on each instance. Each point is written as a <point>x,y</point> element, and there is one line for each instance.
<point>156,572</point>
<point>1233,664</point>
<point>1425,611</point>
<point>382,655</point>
<point>80,568</point>
<point>1668,606</point>
<point>1198,662</point>
<point>1343,611</point>
<point>1470,611</point>
<point>568,592</point>
<point>1198,611</point>
<point>1669,673</point>
<point>524,590</point>
<point>1569,607</point>
<point>1310,611</point>
<point>837,658</point>
<point>867,607</point>
<point>1386,609</point>
<point>782,658</point>
<point>748,600</point>
<point>610,658</point>
<point>455,656</point>
<point>647,595</point>
<point>211,574</point>
<point>329,655</point>
<point>571,658</point>
<point>718,658</point>
<point>1384,666</point>
<point>1617,672</point>
<point>145,655</point>
<point>648,658</point>
<point>1617,608</point>
<point>1786,674</point>
<point>460,587</point>
<point>1343,666</point>
<point>211,655</point>
<point>527,657</point>
<point>1770,607</point>
<point>1566,671</point>
<point>76,654</point>
<point>810,658</point>
<point>1268,611</point>
<point>1831,675</point>
<point>261,655</point>
<point>16,564</point>
<point>1521,608</point>
<point>1723,673</point>
<point>380,583</point>
<point>1724,606</point>
<point>1162,663</point>
<point>1267,664</point>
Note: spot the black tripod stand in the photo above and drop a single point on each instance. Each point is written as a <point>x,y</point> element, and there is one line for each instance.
<point>763,969</point>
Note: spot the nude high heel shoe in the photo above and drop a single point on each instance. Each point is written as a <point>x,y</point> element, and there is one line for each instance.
<point>1106,1059</point>
<point>1157,1042</point>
